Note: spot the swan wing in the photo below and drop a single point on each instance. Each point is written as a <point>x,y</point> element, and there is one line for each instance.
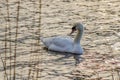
<point>47,41</point>
<point>60,43</point>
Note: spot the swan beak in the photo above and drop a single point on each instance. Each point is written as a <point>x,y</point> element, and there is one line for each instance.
<point>72,32</point>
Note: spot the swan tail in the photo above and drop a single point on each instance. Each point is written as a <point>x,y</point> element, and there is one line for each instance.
<point>47,41</point>
<point>42,39</point>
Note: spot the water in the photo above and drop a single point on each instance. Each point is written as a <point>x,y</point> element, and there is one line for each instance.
<point>100,19</point>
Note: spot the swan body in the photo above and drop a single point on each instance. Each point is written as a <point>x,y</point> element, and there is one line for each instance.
<point>66,44</point>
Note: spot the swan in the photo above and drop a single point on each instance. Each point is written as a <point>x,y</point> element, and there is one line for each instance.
<point>66,44</point>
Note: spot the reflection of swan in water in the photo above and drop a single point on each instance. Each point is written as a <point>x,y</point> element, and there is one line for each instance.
<point>66,44</point>
<point>78,59</point>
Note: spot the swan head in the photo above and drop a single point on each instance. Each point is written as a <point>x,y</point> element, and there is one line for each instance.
<point>77,26</point>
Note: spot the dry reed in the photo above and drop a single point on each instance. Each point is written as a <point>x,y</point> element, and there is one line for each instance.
<point>31,71</point>
<point>38,41</point>
<point>30,64</point>
<point>5,50</point>
<point>4,67</point>
<point>118,73</point>
<point>5,60</point>
<point>112,75</point>
<point>5,47</point>
<point>34,67</point>
<point>39,30</point>
<point>8,20</point>
<point>16,36</point>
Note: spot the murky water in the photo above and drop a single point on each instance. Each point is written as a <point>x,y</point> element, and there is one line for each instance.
<point>101,40</point>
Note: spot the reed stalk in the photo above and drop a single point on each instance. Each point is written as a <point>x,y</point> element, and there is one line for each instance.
<point>118,73</point>
<point>30,63</point>
<point>4,67</point>
<point>29,72</point>
<point>37,74</point>
<point>5,45</point>
<point>98,77</point>
<point>34,53</point>
<point>8,20</point>
<point>33,67</point>
<point>39,30</point>
<point>38,41</point>
<point>112,74</point>
<point>5,49</point>
<point>16,36</point>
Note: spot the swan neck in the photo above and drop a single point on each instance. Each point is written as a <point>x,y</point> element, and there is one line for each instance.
<point>78,36</point>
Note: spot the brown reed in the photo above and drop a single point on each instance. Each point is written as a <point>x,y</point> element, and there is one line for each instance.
<point>29,72</point>
<point>16,36</point>
<point>118,73</point>
<point>4,67</point>
<point>5,45</point>
<point>37,73</point>
<point>31,56</point>
<point>39,30</point>
<point>5,49</point>
<point>98,76</point>
<point>30,61</point>
<point>112,75</point>
<point>9,28</point>
<point>35,56</point>
<point>38,42</point>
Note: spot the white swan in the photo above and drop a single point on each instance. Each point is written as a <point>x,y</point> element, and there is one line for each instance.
<point>66,44</point>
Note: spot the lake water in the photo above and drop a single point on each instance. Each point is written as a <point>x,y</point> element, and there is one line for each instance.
<point>101,39</point>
